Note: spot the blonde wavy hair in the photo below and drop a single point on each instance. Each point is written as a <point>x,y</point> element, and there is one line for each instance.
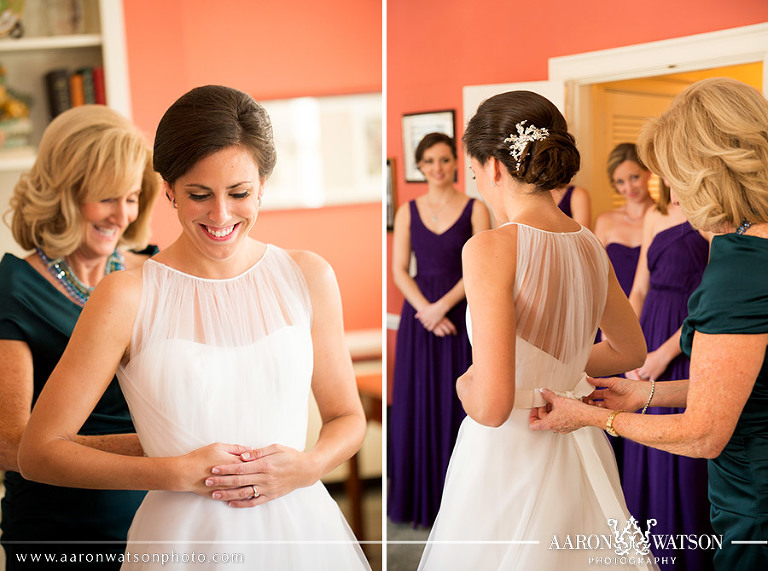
<point>87,154</point>
<point>712,147</point>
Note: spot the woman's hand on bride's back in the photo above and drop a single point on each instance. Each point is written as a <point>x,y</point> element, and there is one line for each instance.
<point>560,414</point>
<point>260,475</point>
<point>617,393</point>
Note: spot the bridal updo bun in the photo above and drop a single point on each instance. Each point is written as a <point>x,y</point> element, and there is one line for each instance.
<point>206,120</point>
<point>548,162</point>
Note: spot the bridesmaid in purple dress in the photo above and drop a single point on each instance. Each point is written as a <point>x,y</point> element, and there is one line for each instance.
<point>658,485</point>
<point>621,230</point>
<point>432,348</point>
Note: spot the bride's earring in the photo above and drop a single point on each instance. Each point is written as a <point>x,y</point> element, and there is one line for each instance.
<point>172,200</point>
<point>259,201</point>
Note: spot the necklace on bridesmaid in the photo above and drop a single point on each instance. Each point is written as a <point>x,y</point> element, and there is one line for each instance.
<point>636,219</point>
<point>436,212</point>
<point>77,290</point>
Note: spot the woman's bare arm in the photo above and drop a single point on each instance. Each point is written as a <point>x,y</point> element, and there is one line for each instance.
<point>401,259</point>
<point>623,346</point>
<point>642,281</point>
<point>581,206</point>
<point>724,369</point>
<point>16,385</point>
<point>50,452</point>
<point>487,390</point>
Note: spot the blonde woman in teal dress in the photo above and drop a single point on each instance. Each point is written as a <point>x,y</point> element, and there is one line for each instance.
<point>83,206</point>
<point>712,148</point>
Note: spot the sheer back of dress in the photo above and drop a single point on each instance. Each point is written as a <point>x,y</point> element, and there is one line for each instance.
<point>559,296</point>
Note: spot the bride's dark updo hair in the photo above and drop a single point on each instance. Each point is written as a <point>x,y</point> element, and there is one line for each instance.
<point>548,163</point>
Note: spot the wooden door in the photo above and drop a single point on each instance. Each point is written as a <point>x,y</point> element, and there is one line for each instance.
<point>619,115</point>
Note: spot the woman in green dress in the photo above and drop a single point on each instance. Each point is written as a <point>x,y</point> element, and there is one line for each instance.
<point>86,201</point>
<point>711,146</point>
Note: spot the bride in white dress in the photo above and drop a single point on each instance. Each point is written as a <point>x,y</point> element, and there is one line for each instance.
<point>215,340</point>
<point>538,287</point>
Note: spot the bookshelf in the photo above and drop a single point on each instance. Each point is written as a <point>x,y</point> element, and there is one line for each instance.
<point>8,46</point>
<point>28,59</point>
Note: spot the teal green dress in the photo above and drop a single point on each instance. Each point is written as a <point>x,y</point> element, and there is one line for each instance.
<point>733,299</point>
<point>34,311</point>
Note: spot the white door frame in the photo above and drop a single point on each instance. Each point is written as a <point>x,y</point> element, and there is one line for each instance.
<point>702,51</point>
<point>746,44</point>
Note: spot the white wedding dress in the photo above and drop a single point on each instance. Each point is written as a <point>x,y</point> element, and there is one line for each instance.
<point>230,361</point>
<point>516,499</point>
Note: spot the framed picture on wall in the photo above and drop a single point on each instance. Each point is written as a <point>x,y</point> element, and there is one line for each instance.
<point>415,126</point>
<point>391,195</point>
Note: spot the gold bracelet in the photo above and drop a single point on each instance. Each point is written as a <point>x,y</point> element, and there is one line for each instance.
<point>650,396</point>
<point>609,423</point>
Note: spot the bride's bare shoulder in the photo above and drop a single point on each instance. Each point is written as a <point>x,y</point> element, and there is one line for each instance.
<point>491,250</point>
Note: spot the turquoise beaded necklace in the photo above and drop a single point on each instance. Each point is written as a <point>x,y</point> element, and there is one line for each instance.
<point>77,290</point>
<point>744,226</point>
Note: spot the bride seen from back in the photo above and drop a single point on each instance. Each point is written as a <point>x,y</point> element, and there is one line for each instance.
<point>537,288</point>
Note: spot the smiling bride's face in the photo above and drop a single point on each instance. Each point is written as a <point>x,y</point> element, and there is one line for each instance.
<point>218,201</point>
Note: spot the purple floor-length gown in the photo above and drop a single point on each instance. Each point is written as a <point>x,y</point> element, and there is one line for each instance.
<point>624,261</point>
<point>426,413</point>
<point>666,487</point>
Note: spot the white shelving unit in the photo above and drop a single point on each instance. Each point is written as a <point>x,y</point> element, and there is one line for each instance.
<point>26,61</point>
<point>49,43</point>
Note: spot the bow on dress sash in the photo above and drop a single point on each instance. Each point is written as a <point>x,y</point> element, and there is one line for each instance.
<point>609,497</point>
<point>532,398</point>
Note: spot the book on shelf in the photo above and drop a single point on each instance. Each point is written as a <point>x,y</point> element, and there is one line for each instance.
<point>99,90</point>
<point>57,88</point>
<point>89,95</point>
<point>66,89</point>
<point>76,91</point>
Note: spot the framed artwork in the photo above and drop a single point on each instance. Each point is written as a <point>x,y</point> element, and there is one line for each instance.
<point>415,126</point>
<point>330,151</point>
<point>391,195</point>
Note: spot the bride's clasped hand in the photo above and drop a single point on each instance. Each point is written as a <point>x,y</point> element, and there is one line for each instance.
<point>248,477</point>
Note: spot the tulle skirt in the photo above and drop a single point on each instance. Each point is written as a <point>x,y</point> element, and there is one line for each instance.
<point>517,499</point>
<point>302,530</point>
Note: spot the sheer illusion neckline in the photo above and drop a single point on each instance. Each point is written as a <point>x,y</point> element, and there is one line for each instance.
<point>256,264</point>
<point>579,231</point>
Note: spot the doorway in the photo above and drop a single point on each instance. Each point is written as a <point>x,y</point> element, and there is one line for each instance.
<point>619,109</point>
<point>741,53</point>
<point>577,82</point>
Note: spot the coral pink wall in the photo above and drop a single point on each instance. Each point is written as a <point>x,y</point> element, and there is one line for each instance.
<point>435,47</point>
<point>269,50</point>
